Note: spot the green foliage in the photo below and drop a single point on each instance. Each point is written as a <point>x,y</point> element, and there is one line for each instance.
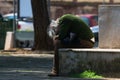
<point>87,74</point>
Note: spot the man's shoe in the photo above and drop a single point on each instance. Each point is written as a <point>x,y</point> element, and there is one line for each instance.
<point>53,75</point>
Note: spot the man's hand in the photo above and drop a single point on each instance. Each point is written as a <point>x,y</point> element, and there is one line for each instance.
<point>55,37</point>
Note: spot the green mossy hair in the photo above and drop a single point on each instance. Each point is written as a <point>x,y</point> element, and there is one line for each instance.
<point>76,25</point>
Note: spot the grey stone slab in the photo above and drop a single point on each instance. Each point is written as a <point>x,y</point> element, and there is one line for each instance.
<point>109,26</point>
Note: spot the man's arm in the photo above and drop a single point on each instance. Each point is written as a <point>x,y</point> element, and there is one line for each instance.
<point>63,28</point>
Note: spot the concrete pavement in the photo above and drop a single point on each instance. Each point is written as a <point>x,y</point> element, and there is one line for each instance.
<point>29,67</point>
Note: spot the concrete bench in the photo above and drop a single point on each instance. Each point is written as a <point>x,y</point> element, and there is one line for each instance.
<point>99,60</point>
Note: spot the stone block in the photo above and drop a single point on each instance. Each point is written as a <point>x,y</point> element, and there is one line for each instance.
<point>9,42</point>
<point>109,26</point>
<point>72,61</point>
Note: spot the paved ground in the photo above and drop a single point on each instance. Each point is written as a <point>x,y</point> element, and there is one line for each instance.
<point>28,67</point>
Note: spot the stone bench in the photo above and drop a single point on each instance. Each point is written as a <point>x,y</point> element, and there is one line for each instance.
<point>99,60</point>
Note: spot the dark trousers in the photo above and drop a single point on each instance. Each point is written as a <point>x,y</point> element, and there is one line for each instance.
<point>56,57</point>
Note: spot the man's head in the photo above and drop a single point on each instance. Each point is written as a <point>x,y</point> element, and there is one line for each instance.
<point>52,28</point>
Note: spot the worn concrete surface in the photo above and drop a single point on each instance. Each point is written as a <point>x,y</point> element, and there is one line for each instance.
<point>109,26</point>
<point>29,67</point>
<point>75,60</point>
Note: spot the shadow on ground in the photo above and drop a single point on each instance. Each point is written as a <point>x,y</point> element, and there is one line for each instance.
<point>24,68</point>
<point>24,62</point>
